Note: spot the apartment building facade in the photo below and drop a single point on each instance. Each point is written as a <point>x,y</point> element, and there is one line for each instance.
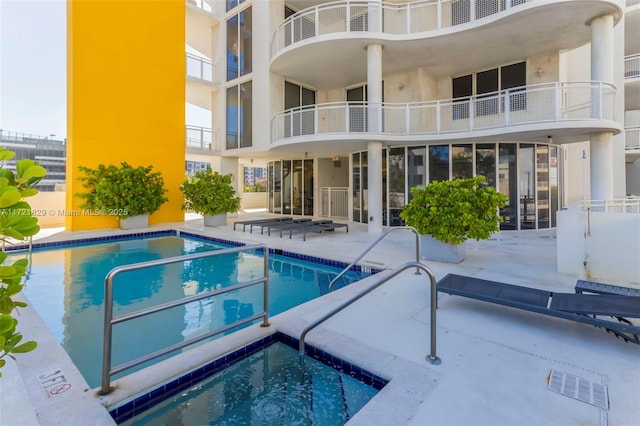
<point>349,104</point>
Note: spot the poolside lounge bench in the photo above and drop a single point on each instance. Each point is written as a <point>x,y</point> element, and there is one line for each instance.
<point>576,307</point>
<point>270,225</point>
<point>600,288</point>
<point>245,223</point>
<point>303,224</point>
<point>318,229</point>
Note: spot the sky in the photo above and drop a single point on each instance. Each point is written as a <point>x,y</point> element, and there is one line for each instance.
<point>33,67</point>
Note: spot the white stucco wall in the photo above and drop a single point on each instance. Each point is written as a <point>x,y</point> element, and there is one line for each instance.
<point>603,247</point>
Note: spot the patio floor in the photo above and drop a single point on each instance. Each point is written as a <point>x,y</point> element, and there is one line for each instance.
<point>495,360</point>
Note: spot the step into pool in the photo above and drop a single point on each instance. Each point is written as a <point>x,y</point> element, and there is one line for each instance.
<point>265,383</point>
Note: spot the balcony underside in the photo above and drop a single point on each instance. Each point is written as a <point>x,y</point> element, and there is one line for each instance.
<point>632,155</point>
<point>328,144</point>
<point>523,31</point>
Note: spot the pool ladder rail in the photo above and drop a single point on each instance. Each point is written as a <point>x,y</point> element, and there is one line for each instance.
<point>432,357</point>
<point>110,320</point>
<point>375,243</point>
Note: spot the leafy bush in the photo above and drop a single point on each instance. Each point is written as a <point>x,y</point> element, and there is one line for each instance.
<point>454,211</point>
<point>209,192</point>
<point>16,222</point>
<point>124,191</point>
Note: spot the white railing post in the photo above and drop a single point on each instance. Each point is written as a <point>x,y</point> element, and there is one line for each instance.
<point>407,120</point>
<point>507,108</point>
<point>439,14</point>
<point>556,100</point>
<point>317,23</point>
<point>438,114</point>
<point>347,119</point>
<point>600,112</point>
<point>471,114</point>
<point>348,17</point>
<point>472,10</point>
<point>408,18</point>
<point>316,118</point>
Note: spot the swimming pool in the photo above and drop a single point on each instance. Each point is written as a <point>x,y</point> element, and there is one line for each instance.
<point>66,287</point>
<point>266,382</point>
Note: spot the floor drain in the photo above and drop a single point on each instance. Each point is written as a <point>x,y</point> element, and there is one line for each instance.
<point>578,388</point>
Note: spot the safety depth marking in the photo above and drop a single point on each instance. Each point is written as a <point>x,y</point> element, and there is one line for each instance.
<point>54,383</point>
<point>578,388</point>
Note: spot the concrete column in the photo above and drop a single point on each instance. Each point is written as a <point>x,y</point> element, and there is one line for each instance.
<point>601,166</point>
<point>374,148</point>
<point>602,170</point>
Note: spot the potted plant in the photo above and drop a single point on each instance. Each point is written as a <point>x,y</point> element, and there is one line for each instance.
<point>447,213</point>
<point>129,193</point>
<point>210,194</point>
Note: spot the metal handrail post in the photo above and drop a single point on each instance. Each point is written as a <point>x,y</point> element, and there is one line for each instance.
<point>372,245</point>
<point>109,321</point>
<point>432,357</point>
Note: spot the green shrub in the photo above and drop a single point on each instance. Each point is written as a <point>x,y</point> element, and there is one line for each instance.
<point>209,192</point>
<point>16,222</point>
<point>122,191</point>
<point>454,211</point>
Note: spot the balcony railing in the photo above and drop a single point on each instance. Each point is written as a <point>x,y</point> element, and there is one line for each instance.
<point>632,137</point>
<point>623,205</point>
<point>205,5</point>
<point>540,103</point>
<point>201,68</point>
<point>201,138</point>
<point>388,18</point>
<point>630,3</point>
<point>632,66</point>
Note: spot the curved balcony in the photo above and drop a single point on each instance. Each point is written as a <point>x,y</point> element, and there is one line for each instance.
<point>567,110</point>
<point>337,33</point>
<point>632,143</point>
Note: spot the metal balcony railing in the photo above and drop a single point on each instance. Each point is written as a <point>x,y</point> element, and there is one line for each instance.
<point>632,137</point>
<point>200,138</point>
<point>630,3</point>
<point>632,66</point>
<point>539,103</point>
<point>201,69</point>
<point>383,17</point>
<point>205,5</point>
<point>334,202</point>
<point>622,205</point>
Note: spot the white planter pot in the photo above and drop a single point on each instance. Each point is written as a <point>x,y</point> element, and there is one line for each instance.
<point>432,249</point>
<point>215,220</point>
<point>133,222</point>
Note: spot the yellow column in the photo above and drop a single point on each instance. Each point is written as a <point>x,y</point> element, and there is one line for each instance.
<point>125,95</point>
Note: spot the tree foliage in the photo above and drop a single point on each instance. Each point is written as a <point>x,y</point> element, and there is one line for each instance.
<point>16,223</point>
<point>209,192</point>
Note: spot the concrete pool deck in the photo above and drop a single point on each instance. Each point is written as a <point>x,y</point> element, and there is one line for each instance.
<point>495,360</point>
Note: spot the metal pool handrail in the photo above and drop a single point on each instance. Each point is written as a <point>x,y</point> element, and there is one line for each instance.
<point>110,320</point>
<point>432,357</point>
<point>372,245</point>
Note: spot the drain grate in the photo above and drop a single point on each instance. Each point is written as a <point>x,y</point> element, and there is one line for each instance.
<point>578,388</point>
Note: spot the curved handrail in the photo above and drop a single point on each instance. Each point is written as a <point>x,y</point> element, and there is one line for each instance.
<point>432,357</point>
<point>359,16</point>
<point>110,320</point>
<point>525,105</point>
<point>372,245</point>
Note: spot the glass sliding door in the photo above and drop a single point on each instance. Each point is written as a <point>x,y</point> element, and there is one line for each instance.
<point>554,182</point>
<point>286,187</point>
<point>357,206</point>
<point>486,162</point>
<point>438,162</point>
<point>542,185</point>
<point>417,167</point>
<point>461,161</point>
<point>508,185</point>
<point>307,185</point>
<point>298,187</point>
<point>396,185</point>
<point>526,167</point>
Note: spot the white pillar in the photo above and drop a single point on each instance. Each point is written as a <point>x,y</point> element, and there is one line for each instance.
<point>601,147</point>
<point>374,148</point>
<point>601,166</point>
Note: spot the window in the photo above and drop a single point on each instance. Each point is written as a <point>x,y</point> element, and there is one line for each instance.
<point>239,40</point>
<point>301,121</point>
<point>255,179</point>
<point>489,83</point>
<point>239,116</point>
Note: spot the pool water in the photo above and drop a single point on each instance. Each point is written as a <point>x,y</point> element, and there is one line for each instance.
<point>66,287</point>
<point>274,386</point>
